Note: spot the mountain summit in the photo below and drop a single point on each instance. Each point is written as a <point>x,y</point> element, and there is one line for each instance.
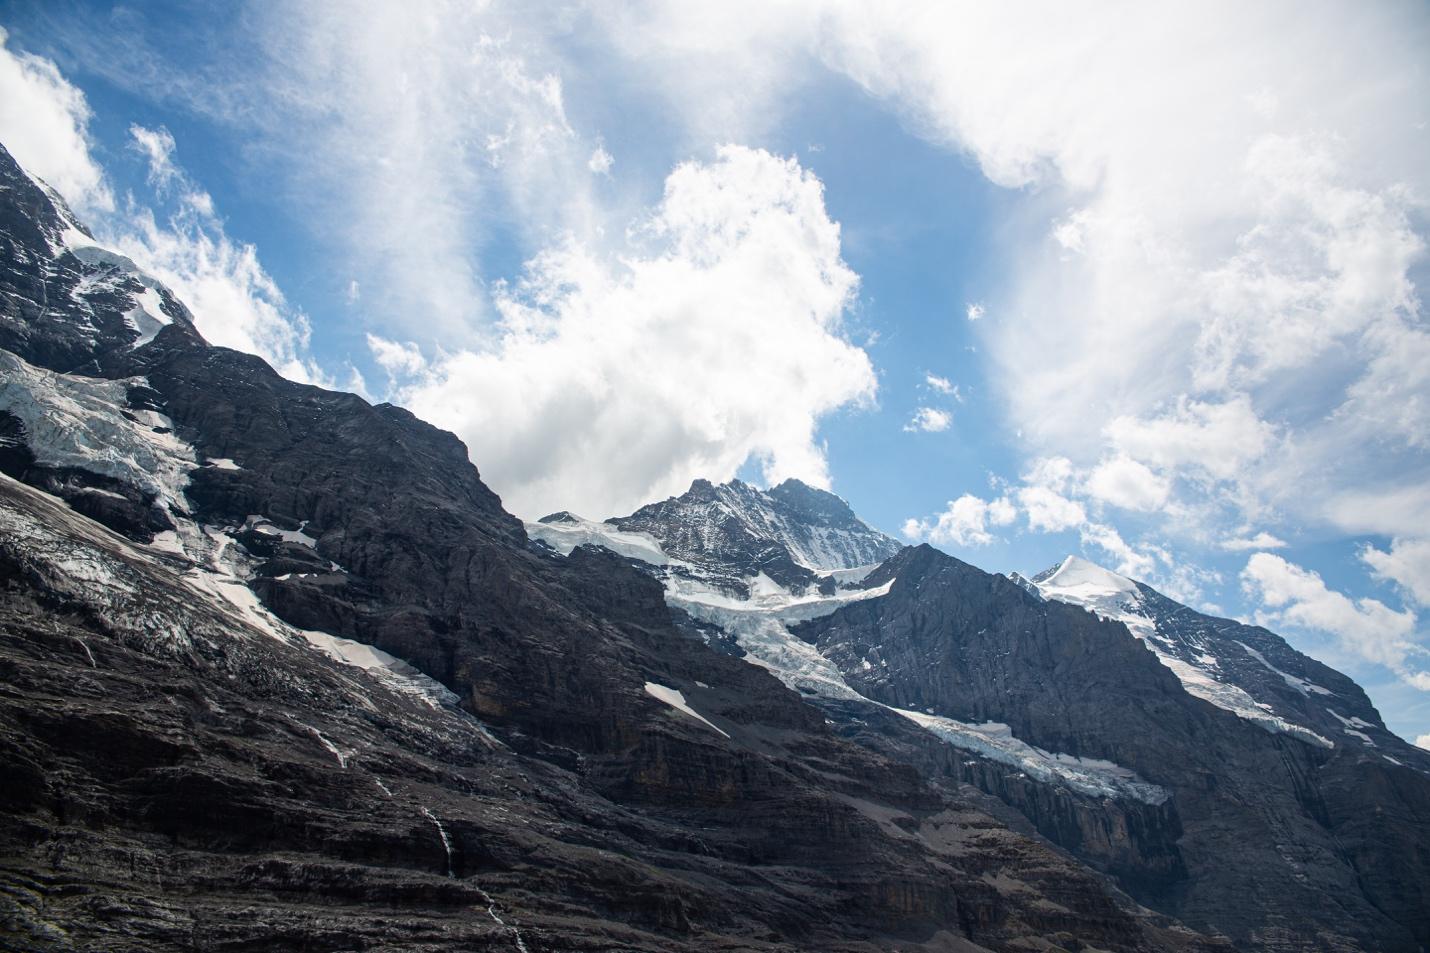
<point>792,532</point>
<point>1246,670</point>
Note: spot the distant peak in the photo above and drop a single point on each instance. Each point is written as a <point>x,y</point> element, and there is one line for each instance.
<point>1077,572</point>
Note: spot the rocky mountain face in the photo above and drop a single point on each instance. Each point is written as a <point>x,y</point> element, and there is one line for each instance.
<point>1243,669</point>
<point>1271,834</point>
<point>1209,769</point>
<point>281,673</point>
<point>797,536</point>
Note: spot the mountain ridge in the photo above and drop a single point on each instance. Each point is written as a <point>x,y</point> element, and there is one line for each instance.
<point>214,748</point>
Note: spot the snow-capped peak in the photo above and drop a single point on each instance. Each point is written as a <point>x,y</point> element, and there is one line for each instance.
<point>745,529</point>
<point>1206,666</point>
<point>1077,580</point>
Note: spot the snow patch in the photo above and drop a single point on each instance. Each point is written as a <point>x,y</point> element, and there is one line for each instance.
<point>676,700</point>
<point>1300,684</point>
<point>566,536</point>
<point>995,741</point>
<point>1350,726</point>
<point>396,673</point>
<point>147,317</point>
<point>761,623</point>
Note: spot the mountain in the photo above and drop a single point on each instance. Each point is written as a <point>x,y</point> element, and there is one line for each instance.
<point>280,672</point>
<point>796,535</point>
<point>1213,772</point>
<point>1276,831</point>
<point>1244,669</point>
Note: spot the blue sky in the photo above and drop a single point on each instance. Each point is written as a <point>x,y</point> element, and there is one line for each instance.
<point>616,250</point>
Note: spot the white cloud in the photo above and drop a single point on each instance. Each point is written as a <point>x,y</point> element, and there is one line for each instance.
<point>1368,627</point>
<point>941,384</point>
<point>965,522</point>
<point>1423,742</point>
<point>1218,439</point>
<point>1127,560</point>
<point>974,311</point>
<point>1049,511</point>
<point>615,382</point>
<point>1124,482</point>
<point>1407,564</point>
<point>398,360</point>
<point>157,147</point>
<point>1262,540</point>
<point>44,123</point>
<point>929,420</point>
<point>413,141</point>
<point>600,161</point>
<point>235,303</point>
<point>1212,263</point>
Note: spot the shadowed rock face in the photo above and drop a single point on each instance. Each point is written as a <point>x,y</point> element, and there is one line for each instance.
<point>1281,843</point>
<point>195,761</point>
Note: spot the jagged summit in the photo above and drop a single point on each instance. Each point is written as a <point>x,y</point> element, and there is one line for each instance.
<point>96,302</point>
<point>791,532</point>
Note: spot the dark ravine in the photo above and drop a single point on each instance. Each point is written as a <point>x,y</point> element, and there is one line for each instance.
<point>187,772</point>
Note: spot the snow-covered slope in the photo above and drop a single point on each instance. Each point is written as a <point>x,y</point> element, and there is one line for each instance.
<point>1244,669</point>
<point>564,531</point>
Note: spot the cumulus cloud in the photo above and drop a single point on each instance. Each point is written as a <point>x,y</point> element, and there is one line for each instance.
<point>929,420</point>
<point>1049,511</point>
<point>1262,540</point>
<point>397,359</point>
<point>1367,627</point>
<point>965,522</point>
<point>974,311</point>
<point>1214,267</point>
<point>1423,741</point>
<point>1407,564</point>
<point>942,384</point>
<point>44,123</point>
<point>600,161</point>
<point>1217,439</point>
<point>617,381</point>
<point>1124,482</point>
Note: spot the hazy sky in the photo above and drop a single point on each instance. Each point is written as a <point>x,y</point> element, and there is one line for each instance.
<point>1140,281</point>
